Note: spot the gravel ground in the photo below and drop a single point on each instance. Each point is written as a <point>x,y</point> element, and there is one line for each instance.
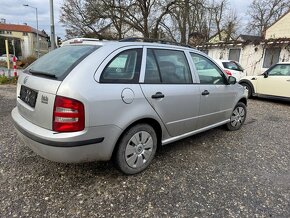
<point>213,174</point>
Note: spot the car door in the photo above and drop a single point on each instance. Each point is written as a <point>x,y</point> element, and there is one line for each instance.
<point>169,89</point>
<point>216,96</point>
<point>276,81</point>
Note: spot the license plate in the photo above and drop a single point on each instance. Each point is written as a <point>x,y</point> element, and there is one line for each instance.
<point>28,96</point>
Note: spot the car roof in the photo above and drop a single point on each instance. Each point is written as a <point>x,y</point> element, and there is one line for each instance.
<point>92,41</point>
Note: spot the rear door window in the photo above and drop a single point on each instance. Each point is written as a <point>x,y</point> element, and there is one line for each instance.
<point>123,68</point>
<point>167,66</point>
<point>59,62</point>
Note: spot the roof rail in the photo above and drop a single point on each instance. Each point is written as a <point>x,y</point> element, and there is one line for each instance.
<point>138,39</point>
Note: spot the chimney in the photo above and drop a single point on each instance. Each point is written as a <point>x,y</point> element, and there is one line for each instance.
<point>25,24</point>
<point>3,20</point>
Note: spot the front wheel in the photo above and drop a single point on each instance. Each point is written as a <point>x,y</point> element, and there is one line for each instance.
<point>136,149</point>
<point>238,117</point>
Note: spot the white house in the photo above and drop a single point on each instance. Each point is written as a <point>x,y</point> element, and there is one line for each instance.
<point>254,53</point>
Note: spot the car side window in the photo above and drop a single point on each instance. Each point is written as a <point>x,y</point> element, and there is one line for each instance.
<point>123,68</point>
<point>280,70</point>
<point>207,71</point>
<point>167,66</point>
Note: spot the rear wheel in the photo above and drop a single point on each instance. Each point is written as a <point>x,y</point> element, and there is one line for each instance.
<point>238,117</point>
<point>136,149</point>
<point>249,88</point>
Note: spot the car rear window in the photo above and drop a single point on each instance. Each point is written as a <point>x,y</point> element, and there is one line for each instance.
<point>231,65</point>
<point>58,63</point>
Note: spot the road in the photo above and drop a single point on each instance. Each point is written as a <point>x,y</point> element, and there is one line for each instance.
<point>213,174</point>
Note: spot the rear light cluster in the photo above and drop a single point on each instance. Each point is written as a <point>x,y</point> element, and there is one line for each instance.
<point>228,72</point>
<point>68,115</point>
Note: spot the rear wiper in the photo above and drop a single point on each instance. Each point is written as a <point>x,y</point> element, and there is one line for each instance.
<point>41,73</point>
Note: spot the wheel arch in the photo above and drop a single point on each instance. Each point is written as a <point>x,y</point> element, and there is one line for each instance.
<point>249,83</point>
<point>150,121</point>
<point>243,100</point>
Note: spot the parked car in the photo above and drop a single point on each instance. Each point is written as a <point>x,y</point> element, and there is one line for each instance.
<point>4,57</point>
<point>96,100</point>
<point>274,83</point>
<point>232,68</point>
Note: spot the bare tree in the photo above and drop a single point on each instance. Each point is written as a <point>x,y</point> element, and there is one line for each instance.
<point>112,12</point>
<point>171,19</point>
<point>263,13</point>
<point>231,24</point>
<point>202,18</point>
<point>79,21</point>
<point>218,10</point>
<point>144,16</point>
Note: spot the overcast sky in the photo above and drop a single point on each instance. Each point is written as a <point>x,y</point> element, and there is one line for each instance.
<point>14,12</point>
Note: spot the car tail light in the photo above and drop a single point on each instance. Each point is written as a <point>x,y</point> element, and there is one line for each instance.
<point>68,115</point>
<point>228,72</point>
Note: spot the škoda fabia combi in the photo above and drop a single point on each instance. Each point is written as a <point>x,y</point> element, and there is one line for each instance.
<point>96,100</point>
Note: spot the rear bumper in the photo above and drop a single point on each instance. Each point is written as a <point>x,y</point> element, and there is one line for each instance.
<point>91,144</point>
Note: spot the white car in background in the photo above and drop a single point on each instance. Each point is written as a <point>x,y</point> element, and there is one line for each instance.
<point>4,57</point>
<point>231,68</point>
<point>273,83</point>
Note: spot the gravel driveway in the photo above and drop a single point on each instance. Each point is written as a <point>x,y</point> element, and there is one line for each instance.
<point>215,173</point>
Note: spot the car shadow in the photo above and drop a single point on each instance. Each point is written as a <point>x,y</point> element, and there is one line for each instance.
<point>272,100</point>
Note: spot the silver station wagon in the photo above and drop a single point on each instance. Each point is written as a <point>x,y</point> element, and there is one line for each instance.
<point>96,100</point>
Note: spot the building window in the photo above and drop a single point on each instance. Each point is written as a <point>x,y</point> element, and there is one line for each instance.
<point>271,57</point>
<point>2,32</point>
<point>8,32</point>
<point>234,54</point>
<point>25,34</point>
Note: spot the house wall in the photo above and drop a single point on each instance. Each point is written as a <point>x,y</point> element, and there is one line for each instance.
<point>251,57</point>
<point>280,29</point>
<point>28,43</point>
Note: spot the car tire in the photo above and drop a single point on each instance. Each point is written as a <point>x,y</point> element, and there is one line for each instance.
<point>238,117</point>
<point>136,149</point>
<point>249,88</point>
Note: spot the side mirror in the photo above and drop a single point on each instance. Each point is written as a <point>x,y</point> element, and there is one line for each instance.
<point>232,80</point>
<point>265,74</point>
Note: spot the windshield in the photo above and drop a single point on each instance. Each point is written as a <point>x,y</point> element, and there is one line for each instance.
<point>232,65</point>
<point>59,62</point>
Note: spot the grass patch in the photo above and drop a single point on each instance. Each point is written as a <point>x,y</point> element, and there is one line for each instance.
<point>6,80</point>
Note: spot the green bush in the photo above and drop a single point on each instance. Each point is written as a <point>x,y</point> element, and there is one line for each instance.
<point>27,61</point>
<point>6,80</point>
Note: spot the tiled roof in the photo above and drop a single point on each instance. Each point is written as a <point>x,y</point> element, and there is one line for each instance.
<point>250,38</point>
<point>20,28</point>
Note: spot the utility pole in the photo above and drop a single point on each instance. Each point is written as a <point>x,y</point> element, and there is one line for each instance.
<point>37,35</point>
<point>52,33</point>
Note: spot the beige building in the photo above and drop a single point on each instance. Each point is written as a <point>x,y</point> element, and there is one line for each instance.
<point>255,57</point>
<point>254,53</point>
<point>280,29</point>
<point>224,36</point>
<point>27,36</point>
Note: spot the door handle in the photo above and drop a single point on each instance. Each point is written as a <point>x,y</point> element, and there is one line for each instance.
<point>288,80</point>
<point>157,95</point>
<point>205,92</point>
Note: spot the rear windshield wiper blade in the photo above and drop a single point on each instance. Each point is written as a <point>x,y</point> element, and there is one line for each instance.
<point>41,73</point>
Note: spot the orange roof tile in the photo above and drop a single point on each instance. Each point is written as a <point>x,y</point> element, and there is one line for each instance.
<point>20,28</point>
